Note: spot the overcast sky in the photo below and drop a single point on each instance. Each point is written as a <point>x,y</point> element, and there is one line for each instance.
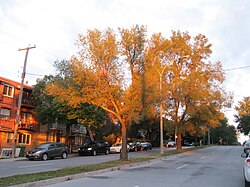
<point>53,26</point>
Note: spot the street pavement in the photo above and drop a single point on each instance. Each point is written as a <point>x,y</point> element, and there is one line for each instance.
<point>219,166</point>
<point>214,166</point>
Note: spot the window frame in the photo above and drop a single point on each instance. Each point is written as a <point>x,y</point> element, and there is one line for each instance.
<point>24,139</point>
<point>8,94</point>
<point>3,115</point>
<point>10,136</point>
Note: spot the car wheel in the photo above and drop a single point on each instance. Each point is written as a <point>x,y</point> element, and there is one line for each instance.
<point>44,157</point>
<point>64,155</point>
<point>94,153</point>
<point>106,152</point>
<point>247,184</point>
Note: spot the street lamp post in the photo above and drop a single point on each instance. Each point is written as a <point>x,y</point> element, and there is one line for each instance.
<point>161,109</point>
<point>161,103</point>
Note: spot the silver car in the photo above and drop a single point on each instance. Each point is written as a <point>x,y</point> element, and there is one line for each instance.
<point>247,147</point>
<point>246,168</point>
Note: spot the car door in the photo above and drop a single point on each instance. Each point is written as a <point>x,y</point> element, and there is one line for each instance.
<point>58,150</point>
<point>98,147</point>
<point>52,150</point>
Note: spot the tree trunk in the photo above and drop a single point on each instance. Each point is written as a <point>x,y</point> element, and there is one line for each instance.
<point>179,146</point>
<point>124,152</point>
<point>91,134</point>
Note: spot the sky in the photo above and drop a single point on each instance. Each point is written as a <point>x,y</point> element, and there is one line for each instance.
<point>53,27</point>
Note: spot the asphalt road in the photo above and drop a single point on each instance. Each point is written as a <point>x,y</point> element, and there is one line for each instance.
<point>8,168</point>
<point>219,166</point>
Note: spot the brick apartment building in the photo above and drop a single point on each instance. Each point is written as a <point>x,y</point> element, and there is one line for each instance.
<point>29,134</point>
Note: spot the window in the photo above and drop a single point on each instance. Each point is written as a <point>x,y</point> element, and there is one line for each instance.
<point>26,95</point>
<point>26,118</point>
<point>8,90</point>
<point>9,137</point>
<point>24,138</point>
<point>4,113</point>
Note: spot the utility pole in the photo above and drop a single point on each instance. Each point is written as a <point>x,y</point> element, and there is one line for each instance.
<point>17,122</point>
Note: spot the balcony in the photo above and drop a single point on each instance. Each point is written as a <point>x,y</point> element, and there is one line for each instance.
<point>27,102</point>
<point>77,129</point>
<point>27,125</point>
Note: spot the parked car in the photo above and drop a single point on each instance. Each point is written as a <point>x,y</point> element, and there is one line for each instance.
<point>94,148</point>
<point>135,146</point>
<point>170,144</point>
<point>188,143</point>
<point>146,145</point>
<point>247,147</point>
<point>117,148</point>
<point>48,151</point>
<point>246,169</point>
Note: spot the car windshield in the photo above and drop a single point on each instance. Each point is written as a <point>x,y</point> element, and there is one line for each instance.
<point>116,145</point>
<point>89,144</point>
<point>43,146</point>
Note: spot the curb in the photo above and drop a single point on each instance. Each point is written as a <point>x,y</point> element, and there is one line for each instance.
<point>83,175</point>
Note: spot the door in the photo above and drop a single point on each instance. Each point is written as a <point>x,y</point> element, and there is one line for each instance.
<point>52,150</point>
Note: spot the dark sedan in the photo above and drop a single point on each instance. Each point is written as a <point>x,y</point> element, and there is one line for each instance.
<point>48,150</point>
<point>94,148</point>
<point>146,145</point>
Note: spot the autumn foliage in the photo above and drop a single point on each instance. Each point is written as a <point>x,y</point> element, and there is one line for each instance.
<point>119,72</point>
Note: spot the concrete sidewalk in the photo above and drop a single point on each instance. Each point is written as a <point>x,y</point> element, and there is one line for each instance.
<point>11,159</point>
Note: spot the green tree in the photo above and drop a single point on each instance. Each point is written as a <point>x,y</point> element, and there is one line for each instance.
<point>243,116</point>
<point>49,109</point>
<point>224,134</point>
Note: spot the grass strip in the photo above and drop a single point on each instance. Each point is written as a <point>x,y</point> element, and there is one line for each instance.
<point>26,178</point>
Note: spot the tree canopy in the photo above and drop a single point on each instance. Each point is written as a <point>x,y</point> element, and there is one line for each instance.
<point>119,71</point>
<point>192,84</point>
<point>243,116</point>
<point>224,134</point>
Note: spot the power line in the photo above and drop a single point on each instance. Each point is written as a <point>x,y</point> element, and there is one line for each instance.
<point>36,74</point>
<point>236,68</point>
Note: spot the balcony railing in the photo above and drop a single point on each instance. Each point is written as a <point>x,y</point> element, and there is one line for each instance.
<point>28,102</point>
<point>27,126</point>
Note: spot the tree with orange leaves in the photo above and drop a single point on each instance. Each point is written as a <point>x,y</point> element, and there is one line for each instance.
<point>192,85</point>
<point>97,76</point>
<point>119,72</point>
